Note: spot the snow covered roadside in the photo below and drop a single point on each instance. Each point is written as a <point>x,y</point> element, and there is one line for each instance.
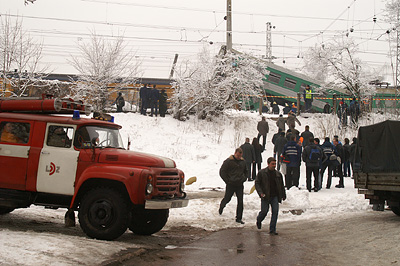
<point>199,148</point>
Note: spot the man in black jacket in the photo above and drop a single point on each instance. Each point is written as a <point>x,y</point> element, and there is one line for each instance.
<point>249,156</point>
<point>270,188</point>
<point>340,151</point>
<point>234,173</point>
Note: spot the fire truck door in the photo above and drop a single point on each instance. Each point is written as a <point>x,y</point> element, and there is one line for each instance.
<point>14,153</point>
<point>58,161</point>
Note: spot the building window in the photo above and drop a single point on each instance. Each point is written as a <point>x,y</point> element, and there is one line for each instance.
<point>289,83</point>
<point>274,77</point>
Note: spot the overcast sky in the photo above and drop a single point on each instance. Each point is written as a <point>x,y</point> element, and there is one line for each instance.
<point>159,29</point>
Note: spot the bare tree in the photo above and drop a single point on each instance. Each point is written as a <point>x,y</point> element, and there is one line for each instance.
<point>213,84</point>
<point>20,57</point>
<point>102,63</point>
<point>336,63</point>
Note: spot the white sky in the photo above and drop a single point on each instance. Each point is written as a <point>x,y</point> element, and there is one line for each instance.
<point>158,29</point>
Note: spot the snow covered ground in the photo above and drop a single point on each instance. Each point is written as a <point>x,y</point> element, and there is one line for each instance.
<point>199,148</point>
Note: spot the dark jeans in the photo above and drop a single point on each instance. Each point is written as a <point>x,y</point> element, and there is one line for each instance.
<point>330,170</point>
<point>308,104</point>
<point>143,107</point>
<point>154,106</point>
<point>248,166</point>
<point>346,168</point>
<point>229,191</point>
<point>264,139</point>
<point>340,174</point>
<point>315,171</point>
<point>292,176</point>
<point>254,173</point>
<point>264,211</point>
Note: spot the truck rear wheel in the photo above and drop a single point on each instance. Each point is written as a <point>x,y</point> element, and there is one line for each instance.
<point>396,210</point>
<point>103,214</point>
<point>147,222</point>
<point>5,210</point>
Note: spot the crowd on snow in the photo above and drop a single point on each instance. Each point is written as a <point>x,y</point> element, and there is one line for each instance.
<point>150,97</point>
<point>290,148</point>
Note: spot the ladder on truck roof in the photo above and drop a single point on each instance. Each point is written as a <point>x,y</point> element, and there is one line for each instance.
<point>45,104</point>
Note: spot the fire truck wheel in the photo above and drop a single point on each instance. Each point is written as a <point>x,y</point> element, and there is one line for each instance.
<point>147,222</point>
<point>103,214</point>
<point>5,210</point>
<point>396,210</point>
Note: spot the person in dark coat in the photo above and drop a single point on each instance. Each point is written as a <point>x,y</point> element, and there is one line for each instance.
<point>293,151</point>
<point>312,155</point>
<point>120,102</point>
<point>270,188</point>
<point>275,108</point>
<point>294,132</point>
<point>353,154</point>
<point>340,151</point>
<point>306,134</point>
<point>234,173</point>
<point>346,163</point>
<point>342,112</point>
<point>154,96</point>
<point>258,149</point>
<point>328,149</point>
<point>286,109</point>
<point>143,93</point>
<point>249,156</point>
<point>278,148</point>
<point>163,103</point>
<point>327,108</point>
<point>263,130</point>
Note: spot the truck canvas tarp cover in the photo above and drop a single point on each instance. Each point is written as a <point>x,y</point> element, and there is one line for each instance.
<point>378,147</point>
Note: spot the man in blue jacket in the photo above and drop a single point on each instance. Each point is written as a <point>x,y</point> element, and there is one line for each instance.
<point>312,155</point>
<point>328,162</point>
<point>293,152</point>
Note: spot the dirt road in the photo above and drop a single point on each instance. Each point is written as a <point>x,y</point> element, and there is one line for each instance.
<point>370,238</point>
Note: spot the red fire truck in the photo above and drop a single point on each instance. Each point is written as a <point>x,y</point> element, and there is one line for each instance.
<point>64,161</point>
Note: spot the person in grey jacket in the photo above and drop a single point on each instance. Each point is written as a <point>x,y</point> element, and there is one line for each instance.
<point>281,123</point>
<point>249,156</point>
<point>234,173</point>
<point>263,130</point>
<point>270,188</point>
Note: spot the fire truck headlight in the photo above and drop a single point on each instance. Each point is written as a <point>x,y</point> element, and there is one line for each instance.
<point>182,186</point>
<point>149,188</point>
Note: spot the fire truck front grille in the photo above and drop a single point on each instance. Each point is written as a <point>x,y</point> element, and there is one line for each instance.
<point>167,182</point>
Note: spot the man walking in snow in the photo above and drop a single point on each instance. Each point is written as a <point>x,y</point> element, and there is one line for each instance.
<point>234,173</point>
<point>263,130</point>
<point>270,188</point>
<point>249,156</point>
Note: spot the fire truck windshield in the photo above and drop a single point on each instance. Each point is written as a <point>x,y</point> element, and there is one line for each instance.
<point>102,137</point>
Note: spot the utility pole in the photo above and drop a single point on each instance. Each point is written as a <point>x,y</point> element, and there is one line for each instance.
<point>229,25</point>
<point>171,75</point>
<point>268,49</point>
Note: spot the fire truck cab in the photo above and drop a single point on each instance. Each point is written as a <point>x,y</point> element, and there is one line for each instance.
<point>64,161</point>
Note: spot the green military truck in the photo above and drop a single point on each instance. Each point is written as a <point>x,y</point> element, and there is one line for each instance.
<point>377,164</point>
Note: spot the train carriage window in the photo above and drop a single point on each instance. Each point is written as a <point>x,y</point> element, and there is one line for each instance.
<point>14,132</point>
<point>289,83</point>
<point>302,87</point>
<point>274,77</point>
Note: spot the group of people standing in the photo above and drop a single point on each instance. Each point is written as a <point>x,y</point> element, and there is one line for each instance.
<point>153,99</point>
<point>290,149</point>
<point>352,110</point>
